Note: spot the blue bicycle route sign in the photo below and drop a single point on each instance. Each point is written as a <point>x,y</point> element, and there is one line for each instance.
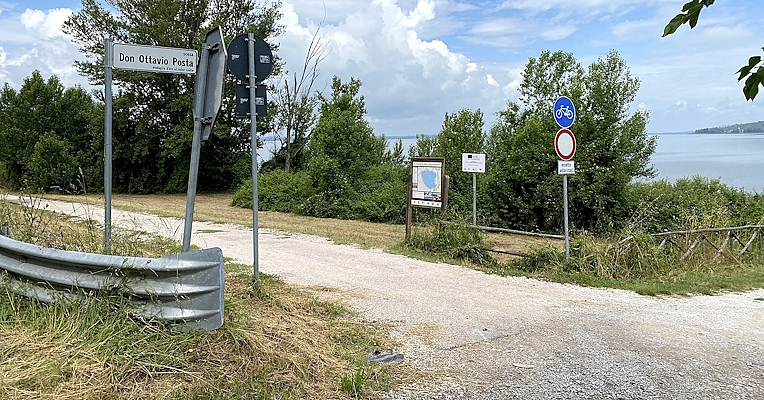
<point>564,112</point>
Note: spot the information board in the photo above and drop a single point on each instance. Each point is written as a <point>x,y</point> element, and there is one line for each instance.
<point>427,182</point>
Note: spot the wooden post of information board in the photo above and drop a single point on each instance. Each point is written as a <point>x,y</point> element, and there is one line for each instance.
<point>408,203</point>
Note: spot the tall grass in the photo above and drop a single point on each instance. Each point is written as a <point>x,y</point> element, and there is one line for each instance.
<point>452,241</point>
<point>641,265</point>
<point>276,341</point>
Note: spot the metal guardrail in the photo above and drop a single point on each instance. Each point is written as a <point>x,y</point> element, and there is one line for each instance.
<point>185,288</point>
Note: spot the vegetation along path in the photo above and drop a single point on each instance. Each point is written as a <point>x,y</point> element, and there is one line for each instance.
<point>479,336</point>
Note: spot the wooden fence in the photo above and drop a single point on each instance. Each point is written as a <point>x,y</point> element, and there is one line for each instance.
<point>736,241</point>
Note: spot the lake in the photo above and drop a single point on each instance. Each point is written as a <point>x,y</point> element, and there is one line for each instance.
<point>736,159</point>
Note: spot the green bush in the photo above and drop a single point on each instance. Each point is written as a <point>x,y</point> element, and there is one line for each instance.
<point>52,164</point>
<point>276,191</point>
<point>379,197</point>
<point>692,203</point>
<point>382,197</point>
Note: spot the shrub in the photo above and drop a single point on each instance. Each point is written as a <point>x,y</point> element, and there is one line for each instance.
<point>382,197</point>
<point>692,203</point>
<point>276,191</point>
<point>52,164</point>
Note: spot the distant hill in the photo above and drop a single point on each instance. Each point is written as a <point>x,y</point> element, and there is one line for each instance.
<point>752,127</point>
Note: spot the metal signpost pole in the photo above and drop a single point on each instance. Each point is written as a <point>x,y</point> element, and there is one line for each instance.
<point>565,202</point>
<point>196,145</point>
<point>474,198</point>
<point>253,139</point>
<point>108,58</point>
<point>564,113</point>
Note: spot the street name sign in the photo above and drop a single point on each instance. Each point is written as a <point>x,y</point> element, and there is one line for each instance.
<point>155,59</point>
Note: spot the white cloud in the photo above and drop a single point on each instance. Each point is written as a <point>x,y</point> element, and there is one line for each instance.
<point>33,40</point>
<point>409,83</point>
<point>45,25</point>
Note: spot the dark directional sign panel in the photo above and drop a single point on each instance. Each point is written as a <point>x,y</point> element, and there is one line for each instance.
<point>242,101</point>
<point>215,73</point>
<point>238,59</point>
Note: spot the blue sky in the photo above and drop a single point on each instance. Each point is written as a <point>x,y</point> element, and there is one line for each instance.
<point>420,59</point>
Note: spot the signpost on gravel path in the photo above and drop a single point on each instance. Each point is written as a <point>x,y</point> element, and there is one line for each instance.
<point>134,57</point>
<point>564,113</point>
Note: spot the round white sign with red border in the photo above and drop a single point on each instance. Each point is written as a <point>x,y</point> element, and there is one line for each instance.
<point>565,144</point>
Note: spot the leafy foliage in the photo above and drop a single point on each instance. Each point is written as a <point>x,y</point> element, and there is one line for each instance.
<point>690,14</point>
<point>691,203</point>
<point>347,172</point>
<point>153,112</point>
<point>521,186</point>
<point>47,132</point>
<point>342,148</point>
<point>277,191</point>
<point>462,132</point>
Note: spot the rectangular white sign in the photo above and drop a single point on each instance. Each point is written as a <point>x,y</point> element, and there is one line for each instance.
<point>473,162</point>
<point>166,60</point>
<point>566,167</point>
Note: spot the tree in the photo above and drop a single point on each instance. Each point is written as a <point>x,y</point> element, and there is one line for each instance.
<point>295,114</point>
<point>613,146</point>
<point>153,120</point>
<point>690,15</point>
<point>342,148</point>
<point>45,110</point>
<point>462,132</point>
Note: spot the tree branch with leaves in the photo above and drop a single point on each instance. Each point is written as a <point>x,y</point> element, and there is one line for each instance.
<point>753,72</point>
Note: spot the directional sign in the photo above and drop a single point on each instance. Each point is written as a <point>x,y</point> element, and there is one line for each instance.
<point>242,101</point>
<point>565,144</point>
<point>154,59</point>
<point>215,74</point>
<point>238,60</point>
<point>564,112</point>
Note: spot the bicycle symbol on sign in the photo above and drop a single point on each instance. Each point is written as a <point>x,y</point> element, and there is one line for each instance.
<point>564,110</point>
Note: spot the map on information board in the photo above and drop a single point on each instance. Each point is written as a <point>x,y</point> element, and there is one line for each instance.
<point>427,182</point>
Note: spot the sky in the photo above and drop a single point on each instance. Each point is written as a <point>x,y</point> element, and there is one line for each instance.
<point>420,59</point>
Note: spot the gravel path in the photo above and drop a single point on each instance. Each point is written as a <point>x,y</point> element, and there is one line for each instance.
<point>487,337</point>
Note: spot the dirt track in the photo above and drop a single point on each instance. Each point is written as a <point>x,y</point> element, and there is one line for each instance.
<point>488,337</point>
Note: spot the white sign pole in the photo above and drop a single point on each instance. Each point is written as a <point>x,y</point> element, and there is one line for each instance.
<point>565,201</point>
<point>474,198</point>
<point>474,163</point>
<point>253,140</point>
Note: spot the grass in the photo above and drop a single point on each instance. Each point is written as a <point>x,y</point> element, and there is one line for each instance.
<point>545,258</point>
<point>277,341</point>
<point>214,207</point>
<point>644,269</point>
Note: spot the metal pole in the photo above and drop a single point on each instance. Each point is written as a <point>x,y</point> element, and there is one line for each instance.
<point>474,198</point>
<point>565,201</point>
<point>193,173</point>
<point>253,140</point>
<point>107,150</point>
